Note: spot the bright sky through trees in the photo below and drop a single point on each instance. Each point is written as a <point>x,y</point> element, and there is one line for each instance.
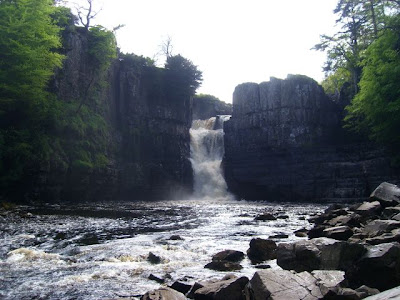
<point>230,41</point>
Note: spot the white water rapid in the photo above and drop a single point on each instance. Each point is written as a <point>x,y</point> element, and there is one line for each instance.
<point>207,151</point>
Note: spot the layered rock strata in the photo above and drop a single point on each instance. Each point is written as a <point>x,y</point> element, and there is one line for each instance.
<point>284,142</point>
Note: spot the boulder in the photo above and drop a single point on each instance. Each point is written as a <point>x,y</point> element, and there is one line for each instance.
<point>228,255</point>
<point>387,194</point>
<point>318,254</point>
<point>223,265</point>
<point>181,286</point>
<point>378,227</point>
<point>391,294</point>
<point>230,287</point>
<point>368,209</point>
<point>154,259</point>
<point>266,217</point>
<point>284,285</point>
<point>338,233</point>
<point>163,293</point>
<point>261,250</point>
<point>378,268</point>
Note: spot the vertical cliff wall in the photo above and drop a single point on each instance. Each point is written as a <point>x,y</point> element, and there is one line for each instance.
<point>284,142</point>
<point>150,132</point>
<point>145,142</point>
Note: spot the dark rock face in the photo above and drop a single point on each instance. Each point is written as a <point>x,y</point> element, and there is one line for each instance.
<point>206,107</point>
<point>151,133</point>
<point>148,122</point>
<point>284,143</point>
<point>261,250</point>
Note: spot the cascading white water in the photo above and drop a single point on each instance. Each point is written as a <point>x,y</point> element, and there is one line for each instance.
<point>207,151</point>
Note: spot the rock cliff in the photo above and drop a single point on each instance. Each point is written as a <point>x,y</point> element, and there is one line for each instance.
<point>284,142</point>
<point>147,121</point>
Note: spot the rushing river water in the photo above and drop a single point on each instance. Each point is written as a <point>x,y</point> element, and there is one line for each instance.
<point>100,251</point>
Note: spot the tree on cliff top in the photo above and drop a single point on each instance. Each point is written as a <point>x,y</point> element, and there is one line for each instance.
<point>184,74</point>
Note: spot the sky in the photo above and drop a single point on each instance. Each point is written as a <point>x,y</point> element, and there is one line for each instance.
<point>230,41</point>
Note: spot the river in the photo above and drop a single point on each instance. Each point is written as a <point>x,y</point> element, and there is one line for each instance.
<point>102,250</point>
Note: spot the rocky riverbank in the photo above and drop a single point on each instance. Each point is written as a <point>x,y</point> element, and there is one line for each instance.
<point>353,252</point>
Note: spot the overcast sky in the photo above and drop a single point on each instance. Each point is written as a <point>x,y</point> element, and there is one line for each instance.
<point>231,41</point>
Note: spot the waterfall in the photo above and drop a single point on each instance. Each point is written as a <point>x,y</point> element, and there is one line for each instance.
<point>207,151</point>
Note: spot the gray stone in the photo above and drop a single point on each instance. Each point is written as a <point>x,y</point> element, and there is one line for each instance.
<point>378,268</point>
<point>369,208</point>
<point>223,265</point>
<point>392,294</point>
<point>163,293</point>
<point>284,285</point>
<point>339,233</point>
<point>261,250</point>
<point>230,287</point>
<point>229,255</point>
<point>387,194</point>
<point>318,254</point>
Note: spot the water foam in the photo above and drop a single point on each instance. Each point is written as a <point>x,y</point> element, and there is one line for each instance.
<point>207,151</point>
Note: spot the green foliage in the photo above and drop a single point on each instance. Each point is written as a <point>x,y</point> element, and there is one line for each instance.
<point>206,97</point>
<point>28,58</point>
<point>102,47</point>
<point>334,83</point>
<point>184,74</point>
<point>376,107</point>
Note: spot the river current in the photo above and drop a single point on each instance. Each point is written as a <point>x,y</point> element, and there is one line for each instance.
<point>100,251</point>
<point>109,250</point>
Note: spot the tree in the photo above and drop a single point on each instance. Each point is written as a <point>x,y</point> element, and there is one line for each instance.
<point>184,74</point>
<point>360,23</point>
<point>86,14</point>
<point>28,42</point>
<point>376,108</point>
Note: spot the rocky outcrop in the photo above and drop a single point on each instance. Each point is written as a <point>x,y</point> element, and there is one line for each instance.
<point>284,285</point>
<point>151,132</point>
<point>207,106</point>
<point>147,121</point>
<point>284,142</point>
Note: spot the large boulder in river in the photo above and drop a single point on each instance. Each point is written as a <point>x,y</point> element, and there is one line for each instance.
<point>163,293</point>
<point>230,287</point>
<point>228,255</point>
<point>379,267</point>
<point>387,194</point>
<point>318,254</point>
<point>261,250</point>
<point>284,285</point>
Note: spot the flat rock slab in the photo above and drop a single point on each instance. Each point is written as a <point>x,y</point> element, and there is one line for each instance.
<point>339,233</point>
<point>392,294</point>
<point>230,287</point>
<point>369,208</point>
<point>387,194</point>
<point>285,285</point>
<point>163,293</point>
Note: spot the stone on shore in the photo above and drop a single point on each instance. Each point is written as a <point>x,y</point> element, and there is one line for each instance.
<point>387,194</point>
<point>368,209</point>
<point>378,268</point>
<point>318,254</point>
<point>284,285</point>
<point>342,233</point>
<point>261,250</point>
<point>230,287</point>
<point>163,293</point>
<point>223,265</point>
